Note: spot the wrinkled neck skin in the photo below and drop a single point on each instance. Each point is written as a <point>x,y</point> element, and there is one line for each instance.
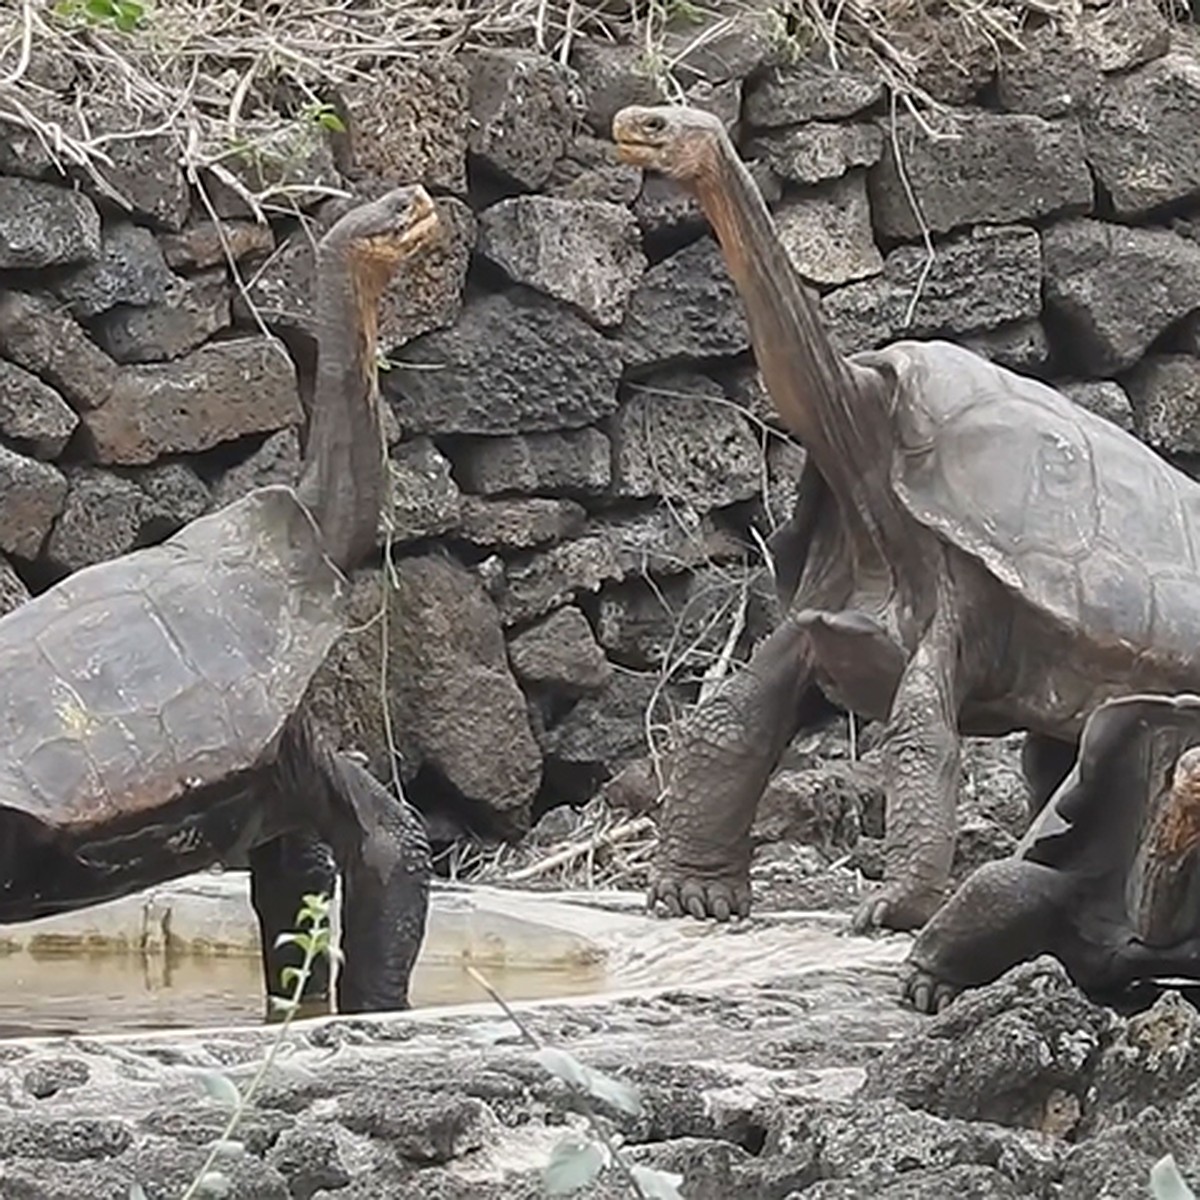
<point>839,411</point>
<point>342,481</point>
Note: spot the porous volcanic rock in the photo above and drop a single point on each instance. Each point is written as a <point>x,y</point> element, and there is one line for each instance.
<point>585,252</point>
<point>458,704</point>
<point>573,462</point>
<point>101,519</point>
<point>42,225</point>
<point>1165,391</point>
<point>818,151</point>
<point>130,269</point>
<point>827,231</point>
<point>809,91</point>
<point>1091,270</point>
<point>32,495</point>
<point>189,312</point>
<point>1001,167</point>
<point>514,362</point>
<point>32,413</point>
<point>561,655</point>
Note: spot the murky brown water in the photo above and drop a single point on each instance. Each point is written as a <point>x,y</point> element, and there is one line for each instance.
<point>108,993</point>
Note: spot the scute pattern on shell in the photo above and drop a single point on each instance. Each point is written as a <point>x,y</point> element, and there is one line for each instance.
<point>1076,516</point>
<point>171,668</point>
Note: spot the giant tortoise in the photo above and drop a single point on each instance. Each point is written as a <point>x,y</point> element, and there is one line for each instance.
<point>153,717</point>
<point>1106,878</point>
<point>970,552</point>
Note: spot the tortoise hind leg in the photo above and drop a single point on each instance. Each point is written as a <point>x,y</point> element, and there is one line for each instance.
<point>1006,912</point>
<point>386,897</point>
<point>282,872</point>
<point>382,852</point>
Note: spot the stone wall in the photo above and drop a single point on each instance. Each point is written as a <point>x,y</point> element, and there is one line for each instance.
<point>584,459</point>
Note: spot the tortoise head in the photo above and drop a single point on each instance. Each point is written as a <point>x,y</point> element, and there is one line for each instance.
<point>683,143</point>
<point>1186,783</point>
<point>376,237</point>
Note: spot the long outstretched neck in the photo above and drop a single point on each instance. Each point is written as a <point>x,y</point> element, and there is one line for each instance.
<point>834,408</point>
<point>342,480</point>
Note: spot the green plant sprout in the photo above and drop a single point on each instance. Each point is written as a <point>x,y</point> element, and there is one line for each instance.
<point>313,937</point>
<point>124,15</point>
<point>1166,1183</point>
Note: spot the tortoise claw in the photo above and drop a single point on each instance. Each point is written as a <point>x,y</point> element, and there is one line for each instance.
<point>718,899</point>
<point>895,906</point>
<point>925,992</point>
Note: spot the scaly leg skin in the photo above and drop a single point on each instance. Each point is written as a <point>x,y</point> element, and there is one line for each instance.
<point>387,898</point>
<point>921,757</point>
<point>282,872</point>
<point>1006,912</point>
<point>715,778</point>
<point>382,851</point>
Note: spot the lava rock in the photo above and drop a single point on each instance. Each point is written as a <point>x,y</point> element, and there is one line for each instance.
<point>606,730</point>
<point>1126,35</point>
<point>221,391</point>
<point>561,655</point>
<point>147,170</point>
<point>458,703</point>
<point>277,460</point>
<point>1143,137</point>
<point>591,170</point>
<point>523,523</point>
<point>978,280</point>
<point>1105,397</point>
<point>609,550</point>
<point>817,806</point>
<point>101,519</point>
<point>685,307</point>
<point>514,362</point>
<point>1091,270</point>
<point>818,151</point>
<point>1018,345</point>
<point>42,225</point>
<point>574,462</point>
<point>677,437</point>
<point>189,312</point>
<point>785,463</point>
<point>663,206</point>
<point>586,253</point>
<point>38,335</point>
<point>1054,74</point>
<point>53,1074</point>
<point>208,244</point>
<point>1165,391</point>
<point>294,158</point>
<point>129,270</point>
<point>524,113</point>
<point>425,499</point>
<point>175,496</point>
<point>310,1158</point>
<point>13,592</point>
<point>712,46</point>
<point>612,76</point>
<point>409,121</point>
<point>1000,167</point>
<point>809,91</point>
<point>33,414</point>
<point>965,1182</point>
<point>32,494</point>
<point>826,231</point>
<point>1019,1052</point>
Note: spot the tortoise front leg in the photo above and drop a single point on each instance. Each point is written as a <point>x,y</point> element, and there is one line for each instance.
<point>1006,912</point>
<point>282,872</point>
<point>715,778</point>
<point>920,758</point>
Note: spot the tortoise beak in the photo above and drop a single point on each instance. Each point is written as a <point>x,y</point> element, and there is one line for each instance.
<point>637,132</point>
<point>422,223</point>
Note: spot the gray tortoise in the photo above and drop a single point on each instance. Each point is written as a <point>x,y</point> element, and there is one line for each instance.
<point>1107,878</point>
<point>971,553</point>
<point>152,718</point>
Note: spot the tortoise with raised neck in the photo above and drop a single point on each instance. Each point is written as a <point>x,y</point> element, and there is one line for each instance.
<point>970,553</point>
<point>154,716</point>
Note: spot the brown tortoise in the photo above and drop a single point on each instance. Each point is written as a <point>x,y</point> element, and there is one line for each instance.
<point>971,553</point>
<point>152,717</point>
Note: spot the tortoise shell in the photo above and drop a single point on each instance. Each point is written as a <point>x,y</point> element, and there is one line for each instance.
<point>137,680</point>
<point>1072,513</point>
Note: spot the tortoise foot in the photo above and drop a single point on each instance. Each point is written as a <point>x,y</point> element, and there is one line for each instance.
<point>896,906</point>
<point>925,991</point>
<point>719,898</point>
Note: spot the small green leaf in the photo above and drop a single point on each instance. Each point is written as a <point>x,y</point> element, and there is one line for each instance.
<point>291,978</point>
<point>657,1185</point>
<point>136,1192</point>
<point>574,1162</point>
<point>282,1004</point>
<point>286,939</point>
<point>1166,1183</point>
<point>221,1088</point>
<point>595,1083</point>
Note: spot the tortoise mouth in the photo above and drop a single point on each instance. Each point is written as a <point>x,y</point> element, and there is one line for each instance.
<point>421,231</point>
<point>637,152</point>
